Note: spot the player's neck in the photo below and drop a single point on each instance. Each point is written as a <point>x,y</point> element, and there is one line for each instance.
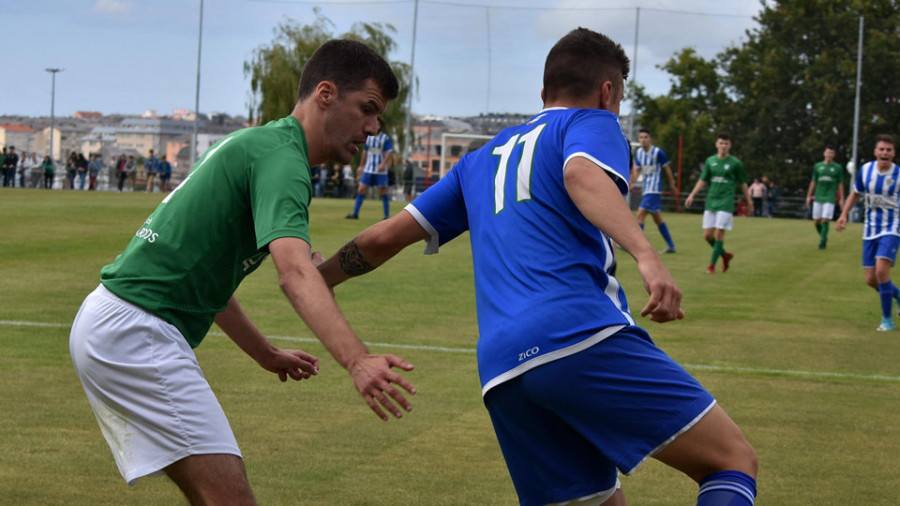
<point>884,165</point>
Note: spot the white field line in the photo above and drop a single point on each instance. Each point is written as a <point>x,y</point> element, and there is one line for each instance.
<point>699,367</point>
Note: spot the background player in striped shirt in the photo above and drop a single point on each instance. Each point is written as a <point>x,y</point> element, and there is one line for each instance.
<point>878,183</point>
<point>575,390</point>
<point>651,162</point>
<point>376,159</point>
<point>828,184</point>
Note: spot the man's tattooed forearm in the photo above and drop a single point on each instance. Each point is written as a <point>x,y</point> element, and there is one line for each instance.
<point>351,260</point>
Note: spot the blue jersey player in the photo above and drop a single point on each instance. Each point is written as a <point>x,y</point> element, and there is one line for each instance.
<point>878,183</point>
<point>374,164</point>
<point>575,390</point>
<point>651,163</point>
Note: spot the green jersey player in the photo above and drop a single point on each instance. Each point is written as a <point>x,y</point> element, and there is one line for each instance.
<point>722,172</point>
<point>246,199</point>
<point>825,188</point>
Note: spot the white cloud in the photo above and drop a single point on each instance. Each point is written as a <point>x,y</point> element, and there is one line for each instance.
<point>112,6</point>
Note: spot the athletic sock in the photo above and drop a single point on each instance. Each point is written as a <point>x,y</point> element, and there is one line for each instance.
<point>386,202</point>
<point>356,205</point>
<point>718,251</point>
<point>712,243</point>
<point>823,234</point>
<point>664,231</point>
<point>818,228</point>
<point>642,226</point>
<point>886,293</point>
<point>727,488</point>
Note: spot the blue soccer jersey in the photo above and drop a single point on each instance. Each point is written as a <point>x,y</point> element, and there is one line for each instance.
<point>651,164</point>
<point>539,298</point>
<point>377,147</point>
<point>880,191</point>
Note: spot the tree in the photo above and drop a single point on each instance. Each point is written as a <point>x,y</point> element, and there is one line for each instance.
<point>690,110</point>
<point>274,69</point>
<point>788,91</point>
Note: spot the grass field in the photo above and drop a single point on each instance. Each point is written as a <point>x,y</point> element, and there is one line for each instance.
<point>786,341</point>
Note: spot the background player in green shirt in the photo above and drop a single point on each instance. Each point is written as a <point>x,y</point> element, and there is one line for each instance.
<point>828,184</point>
<point>722,173</point>
<point>246,199</point>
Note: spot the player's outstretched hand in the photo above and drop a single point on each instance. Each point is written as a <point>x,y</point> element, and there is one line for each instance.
<point>295,364</point>
<point>665,297</point>
<point>373,377</point>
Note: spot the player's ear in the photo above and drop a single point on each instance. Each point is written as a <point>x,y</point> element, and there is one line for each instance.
<point>326,94</point>
<point>606,95</point>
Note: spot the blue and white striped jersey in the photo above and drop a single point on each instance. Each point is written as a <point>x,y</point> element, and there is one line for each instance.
<point>880,192</point>
<point>651,164</point>
<point>377,147</point>
<point>542,286</point>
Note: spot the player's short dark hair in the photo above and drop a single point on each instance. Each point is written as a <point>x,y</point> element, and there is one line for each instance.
<point>580,62</point>
<point>644,131</point>
<point>884,138</point>
<point>725,136</point>
<point>348,64</point>
<point>830,147</point>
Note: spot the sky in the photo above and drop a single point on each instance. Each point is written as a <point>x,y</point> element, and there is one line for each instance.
<point>471,56</point>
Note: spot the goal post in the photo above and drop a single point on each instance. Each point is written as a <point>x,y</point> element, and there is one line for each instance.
<point>457,140</point>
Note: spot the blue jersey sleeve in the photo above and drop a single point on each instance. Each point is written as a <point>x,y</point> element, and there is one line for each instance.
<point>662,158</point>
<point>598,138</point>
<point>858,184</point>
<point>441,211</point>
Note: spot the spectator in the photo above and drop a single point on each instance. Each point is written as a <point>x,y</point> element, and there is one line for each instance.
<point>33,167</point>
<point>49,172</point>
<point>758,193</point>
<point>771,199</point>
<point>10,163</point>
<point>81,167</point>
<point>164,168</point>
<point>94,168</point>
<point>121,172</point>
<point>71,169</point>
<point>151,164</point>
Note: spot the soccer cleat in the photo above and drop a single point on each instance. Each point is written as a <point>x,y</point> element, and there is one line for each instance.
<point>726,260</point>
<point>886,325</point>
<point>352,216</point>
<point>670,249</point>
<point>823,243</point>
<point>711,269</point>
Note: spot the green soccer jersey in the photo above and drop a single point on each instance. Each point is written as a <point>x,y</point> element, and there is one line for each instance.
<point>827,177</point>
<point>191,254</point>
<point>722,175</point>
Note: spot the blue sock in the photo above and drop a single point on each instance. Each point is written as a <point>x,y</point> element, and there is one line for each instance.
<point>727,488</point>
<point>642,226</point>
<point>664,231</point>
<point>886,291</point>
<point>386,201</point>
<point>356,205</point>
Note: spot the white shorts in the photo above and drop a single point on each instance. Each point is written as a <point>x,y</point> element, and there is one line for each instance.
<point>822,210</point>
<point>723,220</point>
<point>147,391</point>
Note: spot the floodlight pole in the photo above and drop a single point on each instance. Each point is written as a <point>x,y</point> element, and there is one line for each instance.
<point>859,57</point>
<point>53,72</point>
<point>412,80</point>
<point>193,157</point>
<point>637,26</point>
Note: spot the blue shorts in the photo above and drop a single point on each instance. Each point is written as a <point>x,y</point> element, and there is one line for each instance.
<point>880,247</point>
<point>651,202</point>
<point>566,427</point>
<point>373,179</point>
